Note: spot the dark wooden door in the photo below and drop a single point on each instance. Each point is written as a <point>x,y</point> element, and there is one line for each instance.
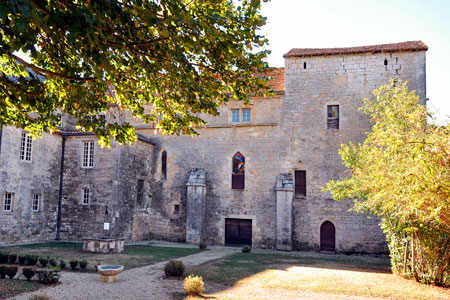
<point>238,232</point>
<point>327,237</point>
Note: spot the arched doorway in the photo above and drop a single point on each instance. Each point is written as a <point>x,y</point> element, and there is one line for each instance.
<point>327,237</point>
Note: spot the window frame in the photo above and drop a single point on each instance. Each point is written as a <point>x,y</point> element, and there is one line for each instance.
<point>11,201</point>
<point>140,193</point>
<point>238,178</point>
<point>164,164</point>
<point>85,192</point>
<point>38,204</point>
<point>333,120</point>
<point>300,189</point>
<point>88,156</point>
<point>235,115</point>
<point>244,110</point>
<point>26,147</point>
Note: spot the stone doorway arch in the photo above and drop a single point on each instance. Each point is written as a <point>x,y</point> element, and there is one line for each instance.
<point>327,237</point>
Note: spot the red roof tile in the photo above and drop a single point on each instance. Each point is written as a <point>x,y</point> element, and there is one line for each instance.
<point>275,79</point>
<point>397,47</point>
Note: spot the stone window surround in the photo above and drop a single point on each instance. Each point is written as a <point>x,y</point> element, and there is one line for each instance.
<point>39,201</point>
<point>87,158</point>
<point>26,147</point>
<point>326,114</point>
<point>11,202</point>
<point>83,195</point>
<point>240,115</point>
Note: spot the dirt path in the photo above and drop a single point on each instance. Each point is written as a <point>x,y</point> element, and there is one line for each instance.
<point>141,283</point>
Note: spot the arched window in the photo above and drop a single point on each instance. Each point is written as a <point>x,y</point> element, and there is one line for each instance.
<point>238,175</point>
<point>327,237</point>
<point>164,164</point>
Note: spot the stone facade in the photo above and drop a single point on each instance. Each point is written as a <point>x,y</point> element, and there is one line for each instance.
<point>185,182</point>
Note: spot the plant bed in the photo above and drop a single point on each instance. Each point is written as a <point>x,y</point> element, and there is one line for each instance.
<point>12,287</point>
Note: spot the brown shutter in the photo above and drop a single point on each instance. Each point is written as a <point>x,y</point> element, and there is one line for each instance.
<point>300,183</point>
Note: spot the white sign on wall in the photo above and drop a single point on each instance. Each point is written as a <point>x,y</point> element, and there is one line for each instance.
<point>105,226</point>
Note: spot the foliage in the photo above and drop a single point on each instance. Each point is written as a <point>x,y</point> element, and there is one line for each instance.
<point>2,272</point>
<point>11,271</point>
<point>21,259</point>
<point>174,268</point>
<point>48,276</point>
<point>62,264</point>
<point>90,57</point>
<point>3,258</point>
<point>40,297</point>
<point>12,258</point>
<point>28,273</point>
<point>246,249</point>
<point>202,245</point>
<point>31,260</point>
<point>43,261</point>
<point>52,262</point>
<point>193,285</point>
<point>83,264</point>
<point>73,264</point>
<point>402,173</point>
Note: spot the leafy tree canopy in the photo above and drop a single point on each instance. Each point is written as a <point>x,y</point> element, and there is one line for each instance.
<point>183,57</point>
<point>402,173</point>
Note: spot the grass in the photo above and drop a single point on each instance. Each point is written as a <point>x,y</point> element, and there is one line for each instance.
<point>133,256</point>
<point>264,276</point>
<point>12,287</point>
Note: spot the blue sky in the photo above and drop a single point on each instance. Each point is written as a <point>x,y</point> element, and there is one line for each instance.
<point>345,23</point>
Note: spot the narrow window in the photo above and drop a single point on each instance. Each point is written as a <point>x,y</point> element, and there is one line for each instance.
<point>60,120</point>
<point>246,115</point>
<point>235,115</point>
<point>7,204</point>
<point>385,62</point>
<point>333,117</point>
<point>176,209</point>
<point>86,196</point>
<point>304,65</point>
<point>164,164</point>
<point>25,147</point>
<point>35,202</point>
<point>88,154</point>
<point>238,175</point>
<point>140,193</point>
<point>300,183</point>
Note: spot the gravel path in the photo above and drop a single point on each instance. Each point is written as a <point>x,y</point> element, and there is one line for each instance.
<point>141,283</point>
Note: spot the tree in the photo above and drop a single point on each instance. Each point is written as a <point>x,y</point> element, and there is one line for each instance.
<point>402,173</point>
<point>182,57</point>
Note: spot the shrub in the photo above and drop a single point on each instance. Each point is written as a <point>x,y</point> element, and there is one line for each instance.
<point>43,261</point>
<point>83,264</point>
<point>21,259</point>
<point>40,297</point>
<point>52,262</point>
<point>2,272</point>
<point>11,271</point>
<point>31,260</point>
<point>48,276</point>
<point>246,249</point>
<point>174,268</point>
<point>73,264</point>
<point>28,273</point>
<point>12,258</point>
<point>3,258</point>
<point>62,264</point>
<point>193,285</point>
<point>202,245</point>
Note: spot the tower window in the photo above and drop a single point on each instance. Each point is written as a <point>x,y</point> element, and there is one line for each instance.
<point>25,147</point>
<point>333,117</point>
<point>238,175</point>
<point>164,164</point>
<point>88,154</point>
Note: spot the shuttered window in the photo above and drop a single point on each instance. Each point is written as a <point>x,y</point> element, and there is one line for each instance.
<point>300,183</point>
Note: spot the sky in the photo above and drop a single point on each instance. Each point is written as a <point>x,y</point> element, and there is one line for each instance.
<point>346,23</point>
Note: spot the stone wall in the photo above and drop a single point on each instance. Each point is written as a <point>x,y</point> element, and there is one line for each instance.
<point>25,178</point>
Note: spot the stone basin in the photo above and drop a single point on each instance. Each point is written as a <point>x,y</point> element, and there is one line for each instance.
<point>108,273</point>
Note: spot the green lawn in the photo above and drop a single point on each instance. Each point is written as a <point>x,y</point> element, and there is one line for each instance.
<point>266,276</point>
<point>133,256</point>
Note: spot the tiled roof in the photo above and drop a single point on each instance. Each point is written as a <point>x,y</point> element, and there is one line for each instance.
<point>276,79</point>
<point>397,47</point>
<point>140,137</point>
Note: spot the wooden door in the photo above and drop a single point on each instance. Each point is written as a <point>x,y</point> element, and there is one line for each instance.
<point>238,232</point>
<point>327,237</point>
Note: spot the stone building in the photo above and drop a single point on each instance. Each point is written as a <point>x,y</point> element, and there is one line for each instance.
<point>252,176</point>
